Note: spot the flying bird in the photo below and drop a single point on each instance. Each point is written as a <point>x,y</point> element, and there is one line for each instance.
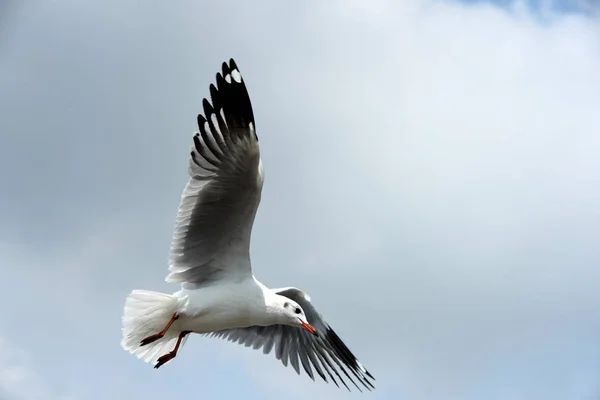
<point>210,258</point>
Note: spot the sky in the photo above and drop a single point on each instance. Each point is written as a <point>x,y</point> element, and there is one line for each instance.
<point>432,180</point>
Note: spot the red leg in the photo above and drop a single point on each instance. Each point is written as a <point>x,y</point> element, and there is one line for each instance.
<point>169,356</point>
<point>161,334</point>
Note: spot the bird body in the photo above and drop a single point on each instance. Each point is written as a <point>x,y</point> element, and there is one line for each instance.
<point>248,303</point>
<point>209,257</point>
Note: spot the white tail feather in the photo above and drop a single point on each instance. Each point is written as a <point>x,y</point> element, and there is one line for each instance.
<point>147,313</point>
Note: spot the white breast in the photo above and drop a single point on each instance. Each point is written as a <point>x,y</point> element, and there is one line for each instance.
<point>223,306</point>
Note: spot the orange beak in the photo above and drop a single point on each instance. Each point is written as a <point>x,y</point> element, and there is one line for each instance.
<point>309,328</point>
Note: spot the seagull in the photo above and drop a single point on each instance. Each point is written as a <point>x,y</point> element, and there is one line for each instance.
<point>210,258</point>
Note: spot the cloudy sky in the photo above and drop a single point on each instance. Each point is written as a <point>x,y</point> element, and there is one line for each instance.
<point>432,180</point>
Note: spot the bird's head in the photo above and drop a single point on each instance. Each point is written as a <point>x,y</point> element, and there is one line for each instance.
<point>291,313</point>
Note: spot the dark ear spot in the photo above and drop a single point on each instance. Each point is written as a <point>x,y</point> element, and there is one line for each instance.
<point>286,304</point>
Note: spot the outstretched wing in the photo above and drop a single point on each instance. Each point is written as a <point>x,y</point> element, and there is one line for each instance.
<point>326,353</point>
<point>214,223</point>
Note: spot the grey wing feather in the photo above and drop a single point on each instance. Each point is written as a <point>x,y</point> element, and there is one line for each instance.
<point>327,352</point>
<point>218,206</point>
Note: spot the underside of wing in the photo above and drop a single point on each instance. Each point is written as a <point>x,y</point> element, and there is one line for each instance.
<point>219,203</point>
<point>326,354</point>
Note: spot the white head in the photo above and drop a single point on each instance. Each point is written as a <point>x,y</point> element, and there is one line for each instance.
<point>288,312</point>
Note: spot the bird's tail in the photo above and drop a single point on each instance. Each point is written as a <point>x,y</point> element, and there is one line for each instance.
<point>147,313</point>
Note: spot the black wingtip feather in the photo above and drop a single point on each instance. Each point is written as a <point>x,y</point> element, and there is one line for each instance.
<point>197,144</point>
<point>201,120</point>
<point>235,100</point>
<point>232,107</point>
<point>204,152</point>
<point>348,359</point>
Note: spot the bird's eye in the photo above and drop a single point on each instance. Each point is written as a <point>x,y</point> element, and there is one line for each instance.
<point>298,311</point>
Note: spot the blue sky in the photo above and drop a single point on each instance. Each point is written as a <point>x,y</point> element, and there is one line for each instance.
<point>431,180</point>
